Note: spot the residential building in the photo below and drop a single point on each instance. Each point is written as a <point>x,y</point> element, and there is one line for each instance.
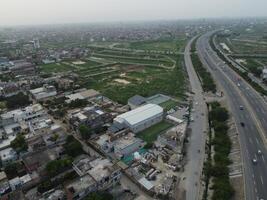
<point>92,117</point>
<point>8,89</point>
<point>44,92</point>
<point>95,174</point>
<point>83,94</point>
<point>136,101</point>
<point>4,184</point>
<point>80,187</point>
<point>8,156</point>
<point>22,68</point>
<point>141,118</point>
<point>124,145</point>
<point>264,74</point>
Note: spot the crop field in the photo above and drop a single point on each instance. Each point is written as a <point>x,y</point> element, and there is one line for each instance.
<point>162,45</point>
<point>254,65</point>
<point>247,40</point>
<point>121,74</point>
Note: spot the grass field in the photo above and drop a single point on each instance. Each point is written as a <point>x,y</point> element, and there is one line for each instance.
<point>150,135</point>
<point>55,67</point>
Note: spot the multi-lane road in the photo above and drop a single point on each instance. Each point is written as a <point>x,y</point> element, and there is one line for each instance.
<point>254,116</point>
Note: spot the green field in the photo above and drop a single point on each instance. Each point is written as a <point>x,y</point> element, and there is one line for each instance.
<point>150,135</point>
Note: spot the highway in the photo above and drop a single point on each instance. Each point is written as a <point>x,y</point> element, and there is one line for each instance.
<point>254,116</point>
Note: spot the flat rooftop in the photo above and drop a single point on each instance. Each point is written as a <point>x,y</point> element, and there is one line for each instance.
<point>140,114</point>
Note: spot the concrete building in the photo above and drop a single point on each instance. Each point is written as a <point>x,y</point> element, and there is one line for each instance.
<point>44,92</point>
<point>80,187</point>
<point>95,174</point>
<point>141,118</point>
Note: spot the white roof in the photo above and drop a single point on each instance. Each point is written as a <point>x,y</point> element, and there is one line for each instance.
<point>140,114</point>
<point>37,90</point>
<point>145,183</point>
<point>75,96</point>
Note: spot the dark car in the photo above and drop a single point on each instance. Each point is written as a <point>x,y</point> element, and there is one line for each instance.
<point>242,124</point>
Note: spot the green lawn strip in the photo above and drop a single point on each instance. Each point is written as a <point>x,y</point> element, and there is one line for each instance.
<point>150,134</point>
<point>134,60</point>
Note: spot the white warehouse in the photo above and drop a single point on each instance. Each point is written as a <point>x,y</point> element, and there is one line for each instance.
<point>141,118</point>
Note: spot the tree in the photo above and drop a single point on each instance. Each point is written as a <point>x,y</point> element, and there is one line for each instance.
<point>220,114</point>
<point>55,167</point>
<point>78,103</point>
<point>85,131</point>
<point>19,144</point>
<point>73,147</point>
<point>11,170</point>
<point>100,196</point>
<point>17,101</point>
<point>45,186</point>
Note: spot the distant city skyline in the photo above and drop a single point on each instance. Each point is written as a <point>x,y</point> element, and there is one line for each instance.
<point>28,12</point>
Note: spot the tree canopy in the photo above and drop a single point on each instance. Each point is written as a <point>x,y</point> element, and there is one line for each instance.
<point>19,144</point>
<point>73,147</point>
<point>85,131</point>
<point>100,196</point>
<point>18,100</point>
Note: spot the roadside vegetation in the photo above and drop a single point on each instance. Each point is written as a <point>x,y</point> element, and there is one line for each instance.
<point>216,166</point>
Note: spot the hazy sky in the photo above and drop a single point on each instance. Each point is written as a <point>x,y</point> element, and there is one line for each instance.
<point>14,12</point>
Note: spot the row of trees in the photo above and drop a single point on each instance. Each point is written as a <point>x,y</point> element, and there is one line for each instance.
<point>217,167</point>
<point>207,82</point>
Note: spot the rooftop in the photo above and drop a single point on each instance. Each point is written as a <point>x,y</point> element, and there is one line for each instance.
<point>81,184</point>
<point>137,100</point>
<point>140,114</point>
<point>125,141</point>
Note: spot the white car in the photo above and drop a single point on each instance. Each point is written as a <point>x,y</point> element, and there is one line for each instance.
<point>259,152</point>
<point>254,160</point>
